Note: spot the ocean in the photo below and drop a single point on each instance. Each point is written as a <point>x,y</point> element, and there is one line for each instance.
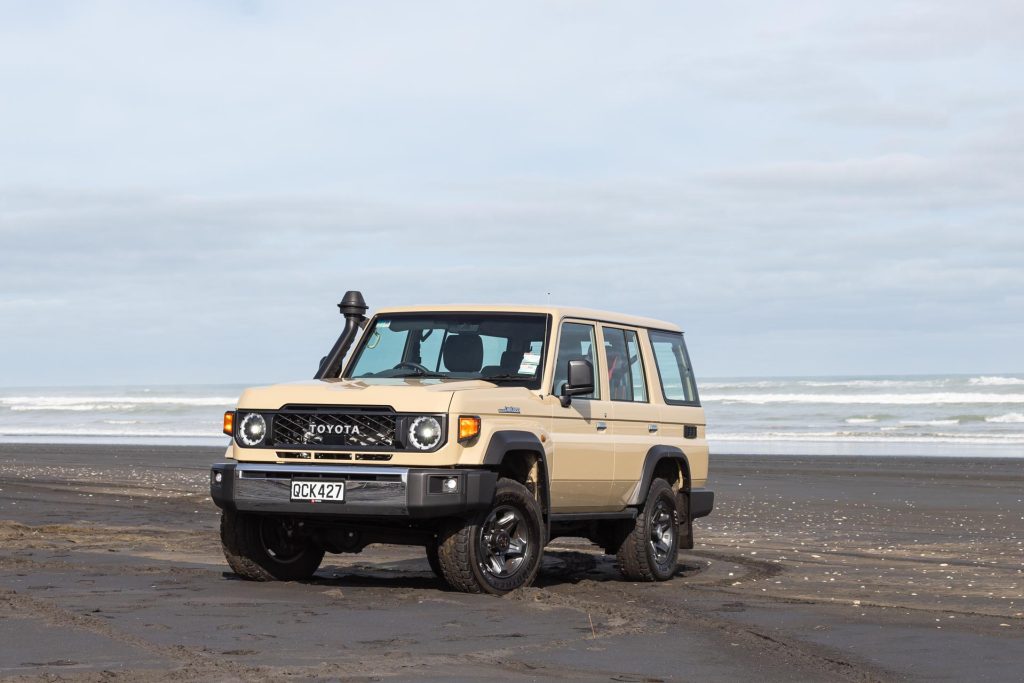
<point>940,415</point>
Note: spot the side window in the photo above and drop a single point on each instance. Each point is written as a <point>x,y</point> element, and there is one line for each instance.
<point>677,382</point>
<point>636,367</point>
<point>577,342</point>
<point>625,367</point>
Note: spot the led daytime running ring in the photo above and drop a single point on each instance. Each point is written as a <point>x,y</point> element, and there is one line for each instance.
<point>425,433</point>
<point>253,430</point>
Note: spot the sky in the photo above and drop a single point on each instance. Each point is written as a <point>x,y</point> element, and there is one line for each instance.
<point>830,188</point>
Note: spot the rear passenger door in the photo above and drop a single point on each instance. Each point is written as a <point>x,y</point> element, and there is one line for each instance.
<point>634,418</point>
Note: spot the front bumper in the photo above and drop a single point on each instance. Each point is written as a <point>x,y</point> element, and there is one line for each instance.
<point>369,491</point>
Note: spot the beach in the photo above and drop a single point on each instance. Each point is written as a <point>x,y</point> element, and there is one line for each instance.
<point>837,568</point>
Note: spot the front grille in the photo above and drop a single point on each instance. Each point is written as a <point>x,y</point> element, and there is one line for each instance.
<point>312,473</point>
<point>343,430</point>
<point>306,455</point>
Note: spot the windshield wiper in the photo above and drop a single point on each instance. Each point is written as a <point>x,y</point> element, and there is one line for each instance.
<point>420,373</point>
<point>506,376</point>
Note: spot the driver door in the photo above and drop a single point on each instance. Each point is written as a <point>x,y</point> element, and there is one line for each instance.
<point>583,453</point>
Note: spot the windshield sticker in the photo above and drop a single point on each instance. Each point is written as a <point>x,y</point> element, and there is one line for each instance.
<point>383,324</point>
<point>529,364</point>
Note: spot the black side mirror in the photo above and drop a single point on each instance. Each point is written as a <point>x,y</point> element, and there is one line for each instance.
<point>580,381</point>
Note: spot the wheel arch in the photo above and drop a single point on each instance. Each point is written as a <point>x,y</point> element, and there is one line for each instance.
<point>657,459</point>
<point>513,453</point>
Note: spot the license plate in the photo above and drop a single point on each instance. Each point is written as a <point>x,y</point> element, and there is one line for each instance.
<point>318,491</point>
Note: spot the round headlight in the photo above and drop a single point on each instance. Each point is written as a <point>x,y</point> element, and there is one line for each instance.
<point>425,433</point>
<point>253,430</point>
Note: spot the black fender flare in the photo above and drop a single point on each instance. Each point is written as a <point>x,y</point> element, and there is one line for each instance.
<point>505,442</point>
<point>654,457</point>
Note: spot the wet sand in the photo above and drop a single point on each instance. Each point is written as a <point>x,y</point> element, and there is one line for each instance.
<point>812,569</point>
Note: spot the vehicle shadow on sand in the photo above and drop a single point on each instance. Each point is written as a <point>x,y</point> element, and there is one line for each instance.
<point>558,567</point>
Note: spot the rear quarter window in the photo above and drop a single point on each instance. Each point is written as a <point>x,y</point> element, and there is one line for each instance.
<point>678,385</point>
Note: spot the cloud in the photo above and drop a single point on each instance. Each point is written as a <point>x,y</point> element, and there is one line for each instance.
<point>883,115</point>
<point>184,188</point>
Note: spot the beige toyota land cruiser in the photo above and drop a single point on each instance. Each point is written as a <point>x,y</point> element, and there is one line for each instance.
<point>478,432</point>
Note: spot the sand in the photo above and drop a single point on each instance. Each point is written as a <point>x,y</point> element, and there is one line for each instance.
<point>809,569</point>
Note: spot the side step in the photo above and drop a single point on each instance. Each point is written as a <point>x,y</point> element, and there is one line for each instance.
<point>628,513</point>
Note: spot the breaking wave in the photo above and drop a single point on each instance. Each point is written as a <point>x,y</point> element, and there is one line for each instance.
<point>872,437</point>
<point>109,403</point>
<point>996,381</point>
<point>1008,418</point>
<point>875,383</point>
<point>761,384</point>
<point>868,399</point>
<point>91,432</point>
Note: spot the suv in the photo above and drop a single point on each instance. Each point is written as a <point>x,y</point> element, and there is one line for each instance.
<point>478,432</point>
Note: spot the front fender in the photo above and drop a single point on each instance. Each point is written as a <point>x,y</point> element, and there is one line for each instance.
<point>508,441</point>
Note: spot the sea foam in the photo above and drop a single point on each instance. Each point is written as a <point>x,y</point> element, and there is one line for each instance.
<point>869,399</point>
<point>996,381</point>
<point>93,432</point>
<point>107,403</point>
<point>869,437</point>
<point>875,383</point>
<point>1009,417</point>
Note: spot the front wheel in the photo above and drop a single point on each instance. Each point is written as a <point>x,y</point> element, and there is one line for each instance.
<point>434,562</point>
<point>268,548</point>
<point>498,550</point>
<point>651,551</point>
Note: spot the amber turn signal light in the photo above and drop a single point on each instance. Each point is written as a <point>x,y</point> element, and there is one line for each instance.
<point>469,427</point>
<point>229,423</point>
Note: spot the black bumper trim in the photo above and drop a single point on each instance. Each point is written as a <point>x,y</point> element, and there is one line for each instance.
<point>222,492</point>
<point>702,501</point>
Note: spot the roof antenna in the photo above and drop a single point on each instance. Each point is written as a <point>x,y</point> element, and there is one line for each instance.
<point>549,298</point>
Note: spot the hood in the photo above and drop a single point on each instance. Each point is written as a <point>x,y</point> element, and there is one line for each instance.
<point>407,394</point>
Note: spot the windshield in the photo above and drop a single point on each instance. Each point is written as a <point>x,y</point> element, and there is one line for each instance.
<point>498,347</point>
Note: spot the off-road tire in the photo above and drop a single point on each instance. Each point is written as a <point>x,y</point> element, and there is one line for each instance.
<point>434,562</point>
<point>245,541</point>
<point>463,549</point>
<point>638,557</point>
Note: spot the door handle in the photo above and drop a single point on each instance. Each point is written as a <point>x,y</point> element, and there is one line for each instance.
<point>652,428</point>
<point>601,426</point>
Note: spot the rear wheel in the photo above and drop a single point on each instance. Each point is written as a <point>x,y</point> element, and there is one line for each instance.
<point>268,548</point>
<point>497,550</point>
<point>434,562</point>
<point>651,551</point>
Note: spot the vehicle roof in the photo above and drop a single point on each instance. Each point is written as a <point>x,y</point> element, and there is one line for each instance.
<point>557,312</point>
